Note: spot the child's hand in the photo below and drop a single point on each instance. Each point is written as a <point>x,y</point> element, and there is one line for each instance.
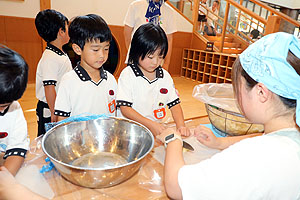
<point>157,128</point>
<point>53,118</point>
<point>207,137</point>
<point>184,131</point>
<point>6,178</point>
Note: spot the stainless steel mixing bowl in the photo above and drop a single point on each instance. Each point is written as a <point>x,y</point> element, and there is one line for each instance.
<point>98,153</point>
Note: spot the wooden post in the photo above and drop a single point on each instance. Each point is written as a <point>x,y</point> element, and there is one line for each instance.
<point>273,24</point>
<point>44,4</point>
<point>195,14</point>
<point>238,20</point>
<point>224,26</point>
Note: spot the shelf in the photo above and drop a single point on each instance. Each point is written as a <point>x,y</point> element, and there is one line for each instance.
<point>207,67</point>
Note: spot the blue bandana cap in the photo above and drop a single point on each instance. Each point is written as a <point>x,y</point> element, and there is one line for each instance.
<point>265,62</point>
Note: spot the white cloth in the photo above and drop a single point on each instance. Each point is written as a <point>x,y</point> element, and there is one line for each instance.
<point>144,96</point>
<point>51,67</point>
<point>135,17</point>
<point>136,12</point>
<point>77,94</point>
<point>263,167</point>
<point>14,125</point>
<point>211,18</point>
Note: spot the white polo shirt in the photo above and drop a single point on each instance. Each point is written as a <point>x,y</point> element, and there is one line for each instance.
<point>144,96</point>
<point>262,167</point>
<point>136,12</point>
<point>52,66</point>
<point>78,94</point>
<point>14,139</point>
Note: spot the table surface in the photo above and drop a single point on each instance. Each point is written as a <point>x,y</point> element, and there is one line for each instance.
<point>147,183</point>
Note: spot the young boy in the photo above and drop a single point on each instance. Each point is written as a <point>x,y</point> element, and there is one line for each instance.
<point>88,88</point>
<point>52,26</point>
<point>145,89</point>
<point>14,141</point>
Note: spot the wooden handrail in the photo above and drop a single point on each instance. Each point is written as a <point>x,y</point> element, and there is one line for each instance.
<point>179,12</point>
<point>245,10</point>
<point>272,10</point>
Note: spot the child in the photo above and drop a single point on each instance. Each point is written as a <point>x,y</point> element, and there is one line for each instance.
<point>88,88</point>
<point>254,35</point>
<point>266,80</point>
<point>14,141</point>
<point>144,87</point>
<point>202,12</point>
<point>209,28</point>
<point>52,26</point>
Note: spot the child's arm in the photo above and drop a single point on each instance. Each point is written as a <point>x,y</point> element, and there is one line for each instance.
<point>130,113</point>
<point>173,162</point>
<point>177,115</point>
<point>11,190</point>
<point>13,164</point>
<point>59,118</point>
<point>50,94</point>
<point>207,137</point>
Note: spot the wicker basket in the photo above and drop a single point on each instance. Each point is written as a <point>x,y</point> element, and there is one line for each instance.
<point>230,123</point>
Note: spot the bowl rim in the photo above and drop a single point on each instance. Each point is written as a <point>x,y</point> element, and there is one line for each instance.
<point>99,168</point>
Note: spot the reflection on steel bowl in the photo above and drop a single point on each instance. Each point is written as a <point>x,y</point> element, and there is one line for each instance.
<point>231,123</point>
<point>98,153</point>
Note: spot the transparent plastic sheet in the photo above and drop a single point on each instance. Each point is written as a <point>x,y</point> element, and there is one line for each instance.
<point>217,94</point>
<point>145,184</point>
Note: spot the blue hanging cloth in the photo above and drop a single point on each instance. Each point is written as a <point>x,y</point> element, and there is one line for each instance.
<point>153,12</point>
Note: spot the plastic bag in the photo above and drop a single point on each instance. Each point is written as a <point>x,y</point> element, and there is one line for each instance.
<point>76,118</point>
<point>217,94</point>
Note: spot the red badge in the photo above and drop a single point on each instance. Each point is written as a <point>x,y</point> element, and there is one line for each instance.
<point>112,106</point>
<point>3,134</point>
<point>160,113</point>
<point>164,90</point>
<point>111,92</point>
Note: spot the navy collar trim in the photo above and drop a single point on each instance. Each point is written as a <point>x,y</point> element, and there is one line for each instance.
<point>84,76</point>
<point>55,49</point>
<point>138,72</point>
<point>5,111</point>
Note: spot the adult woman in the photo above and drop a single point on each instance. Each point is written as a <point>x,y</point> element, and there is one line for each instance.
<point>154,11</point>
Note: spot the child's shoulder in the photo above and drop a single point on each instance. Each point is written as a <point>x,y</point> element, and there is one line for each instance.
<point>110,76</point>
<point>127,71</point>
<point>13,110</point>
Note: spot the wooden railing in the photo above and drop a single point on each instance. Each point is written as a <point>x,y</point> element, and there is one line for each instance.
<point>247,17</point>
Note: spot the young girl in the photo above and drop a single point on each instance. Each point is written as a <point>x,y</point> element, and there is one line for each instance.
<point>144,87</point>
<point>266,79</point>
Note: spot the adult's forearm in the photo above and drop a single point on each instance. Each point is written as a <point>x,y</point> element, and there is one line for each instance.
<point>173,162</point>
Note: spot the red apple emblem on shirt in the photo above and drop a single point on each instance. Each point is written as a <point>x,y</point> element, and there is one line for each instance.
<point>3,134</point>
<point>164,90</point>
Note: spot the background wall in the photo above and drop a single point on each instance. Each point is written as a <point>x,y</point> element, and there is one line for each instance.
<point>22,36</point>
<point>113,11</point>
<point>27,8</point>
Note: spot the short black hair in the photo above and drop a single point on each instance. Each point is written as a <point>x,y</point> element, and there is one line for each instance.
<point>254,33</point>
<point>48,22</point>
<point>146,40</point>
<point>89,28</point>
<point>13,75</point>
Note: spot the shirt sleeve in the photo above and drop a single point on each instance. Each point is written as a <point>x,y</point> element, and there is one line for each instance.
<point>19,137</point>
<point>50,71</point>
<point>124,94</point>
<point>62,102</point>
<point>173,97</point>
<point>130,15</point>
